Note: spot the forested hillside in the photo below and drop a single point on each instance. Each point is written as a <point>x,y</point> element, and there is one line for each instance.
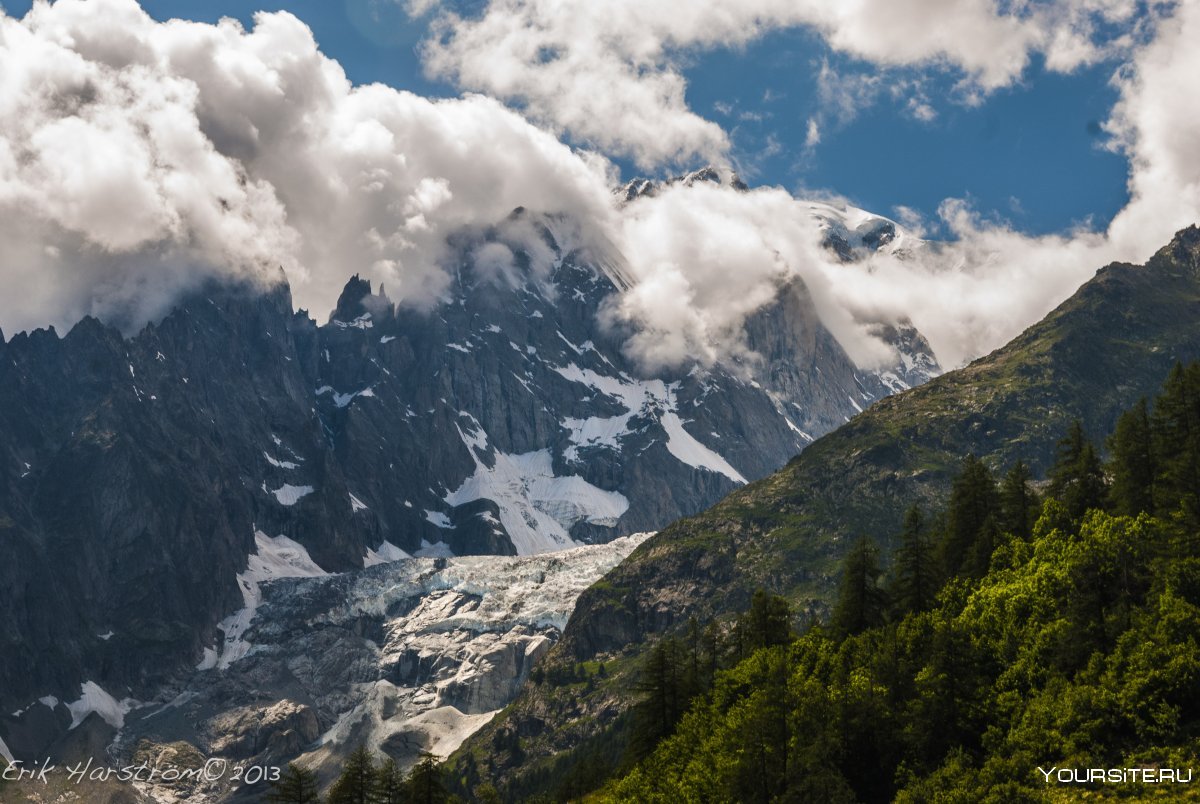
<point>1007,634</point>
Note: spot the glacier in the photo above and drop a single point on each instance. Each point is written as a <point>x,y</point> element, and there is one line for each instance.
<point>408,655</point>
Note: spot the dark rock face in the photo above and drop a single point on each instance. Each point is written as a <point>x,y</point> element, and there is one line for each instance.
<point>135,471</point>
<point>131,486</point>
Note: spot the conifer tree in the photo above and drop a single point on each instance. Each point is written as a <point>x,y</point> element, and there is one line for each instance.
<point>1077,479</point>
<point>973,501</point>
<point>663,702</point>
<point>915,574</point>
<point>861,603</point>
<point>296,785</point>
<point>1176,443</point>
<point>1132,467</point>
<point>1018,502</point>
<point>388,786</point>
<point>426,784</point>
<point>355,783</point>
<point>979,555</point>
<point>767,622</point>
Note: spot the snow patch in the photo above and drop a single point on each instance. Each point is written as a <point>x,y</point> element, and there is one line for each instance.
<point>644,398</point>
<point>439,519</point>
<point>449,728</point>
<point>536,507</point>
<point>357,504</point>
<point>386,554</point>
<point>362,322</point>
<point>687,449</point>
<point>277,557</point>
<point>343,400</point>
<point>278,464</point>
<point>287,494</point>
<point>95,699</point>
<point>209,660</point>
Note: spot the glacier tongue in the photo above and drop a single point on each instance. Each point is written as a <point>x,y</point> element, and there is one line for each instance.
<point>407,656</point>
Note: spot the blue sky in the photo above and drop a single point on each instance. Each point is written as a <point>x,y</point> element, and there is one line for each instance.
<point>1030,155</point>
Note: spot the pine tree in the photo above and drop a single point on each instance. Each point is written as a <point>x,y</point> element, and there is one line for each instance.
<point>979,555</point>
<point>861,602</point>
<point>297,785</point>
<point>664,698</point>
<point>1176,444</point>
<point>358,776</point>
<point>388,787</point>
<point>1132,467</point>
<point>1018,502</point>
<point>767,622</point>
<point>973,501</point>
<point>1077,479</point>
<point>915,578</point>
<point>425,784</point>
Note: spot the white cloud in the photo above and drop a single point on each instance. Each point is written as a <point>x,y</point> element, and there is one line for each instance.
<point>611,73</point>
<point>1157,126</point>
<point>707,257</point>
<point>138,157</point>
<point>712,254</point>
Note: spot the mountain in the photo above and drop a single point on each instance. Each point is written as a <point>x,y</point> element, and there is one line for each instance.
<point>144,478</point>
<point>1094,356</point>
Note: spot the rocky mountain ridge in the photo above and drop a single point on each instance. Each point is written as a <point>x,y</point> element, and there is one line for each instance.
<point>139,474</point>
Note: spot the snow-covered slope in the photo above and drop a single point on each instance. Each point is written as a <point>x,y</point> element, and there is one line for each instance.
<point>561,438</point>
<point>854,233</point>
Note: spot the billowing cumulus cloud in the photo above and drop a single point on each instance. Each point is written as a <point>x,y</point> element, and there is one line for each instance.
<point>138,157</point>
<point>610,73</point>
<point>707,257</point>
<point>968,295</point>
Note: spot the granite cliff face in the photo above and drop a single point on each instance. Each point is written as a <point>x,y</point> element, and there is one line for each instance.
<point>139,475</point>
